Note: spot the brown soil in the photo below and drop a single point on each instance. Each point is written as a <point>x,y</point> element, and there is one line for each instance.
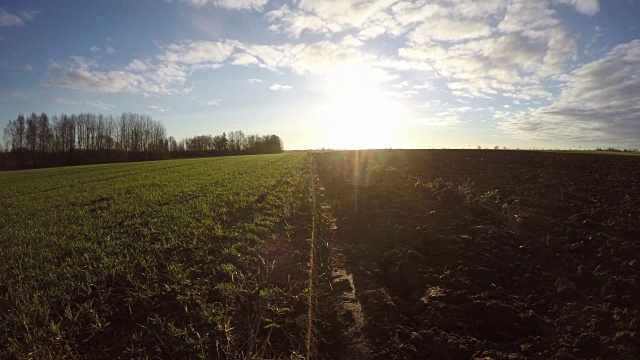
<point>488,254</point>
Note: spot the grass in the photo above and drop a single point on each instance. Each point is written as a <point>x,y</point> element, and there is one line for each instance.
<point>155,259</point>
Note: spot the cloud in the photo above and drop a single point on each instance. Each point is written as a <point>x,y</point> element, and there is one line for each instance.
<point>598,102</point>
<point>16,95</point>
<point>197,52</point>
<point>345,14</point>
<point>8,19</point>
<point>369,18</point>
<point>29,15</point>
<point>166,74</point>
<point>137,66</point>
<point>351,41</point>
<point>319,58</point>
<point>278,87</point>
<point>477,58</point>
<point>214,102</point>
<point>445,118</point>
<point>95,49</point>
<point>230,4</point>
<point>241,4</point>
<point>401,85</point>
<point>99,104</point>
<point>322,58</point>
<point>586,7</point>
<point>530,16</point>
<point>83,78</point>
<point>20,67</point>
<point>244,59</point>
<point>294,23</point>
<point>406,94</point>
<point>530,92</point>
<point>255,81</point>
<point>449,30</point>
<point>83,74</point>
<point>158,108</point>
<point>110,50</point>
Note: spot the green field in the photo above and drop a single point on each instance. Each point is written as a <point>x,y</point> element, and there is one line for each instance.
<point>156,259</point>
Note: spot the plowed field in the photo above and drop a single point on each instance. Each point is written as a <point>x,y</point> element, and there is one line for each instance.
<point>487,254</point>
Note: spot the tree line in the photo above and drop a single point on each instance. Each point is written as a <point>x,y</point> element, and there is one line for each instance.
<point>86,138</point>
<point>235,143</point>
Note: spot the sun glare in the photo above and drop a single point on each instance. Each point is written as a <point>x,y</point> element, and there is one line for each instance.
<point>359,115</point>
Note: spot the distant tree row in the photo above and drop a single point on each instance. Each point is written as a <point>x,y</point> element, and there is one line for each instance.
<point>616,149</point>
<point>40,141</point>
<point>235,143</point>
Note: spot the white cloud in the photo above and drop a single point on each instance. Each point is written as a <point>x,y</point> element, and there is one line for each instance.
<point>214,102</point>
<point>230,4</point>
<point>351,41</point>
<point>21,67</point>
<point>294,22</point>
<point>158,108</point>
<point>244,59</point>
<point>451,30</point>
<point>401,85</point>
<point>462,109</point>
<point>99,104</point>
<point>425,85</point>
<point>197,52</point>
<point>406,94</point>
<point>319,58</point>
<point>255,81</point>
<point>371,32</point>
<point>530,92</point>
<point>409,12</point>
<point>587,7</point>
<point>598,102</point>
<point>110,50</point>
<point>137,66</point>
<point>345,14</point>
<point>370,18</point>
<point>29,15</point>
<point>84,78</point>
<point>322,58</point>
<point>95,49</point>
<point>525,15</point>
<point>432,104</point>
<point>441,119</point>
<point>8,19</point>
<point>278,87</point>
<point>241,4</point>
<point>460,45</point>
<point>83,74</point>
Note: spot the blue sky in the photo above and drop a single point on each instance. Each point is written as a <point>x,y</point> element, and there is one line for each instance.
<point>341,74</point>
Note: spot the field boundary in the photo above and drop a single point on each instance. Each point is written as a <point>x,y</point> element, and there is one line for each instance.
<point>311,331</point>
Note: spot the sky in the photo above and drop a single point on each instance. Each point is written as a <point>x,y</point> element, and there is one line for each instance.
<point>333,73</point>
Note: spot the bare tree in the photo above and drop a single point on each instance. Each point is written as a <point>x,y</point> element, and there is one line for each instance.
<point>220,142</point>
<point>236,141</point>
<point>173,145</point>
<point>44,134</point>
<point>10,137</point>
<point>32,132</point>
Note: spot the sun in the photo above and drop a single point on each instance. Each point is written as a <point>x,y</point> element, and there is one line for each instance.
<point>359,115</point>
